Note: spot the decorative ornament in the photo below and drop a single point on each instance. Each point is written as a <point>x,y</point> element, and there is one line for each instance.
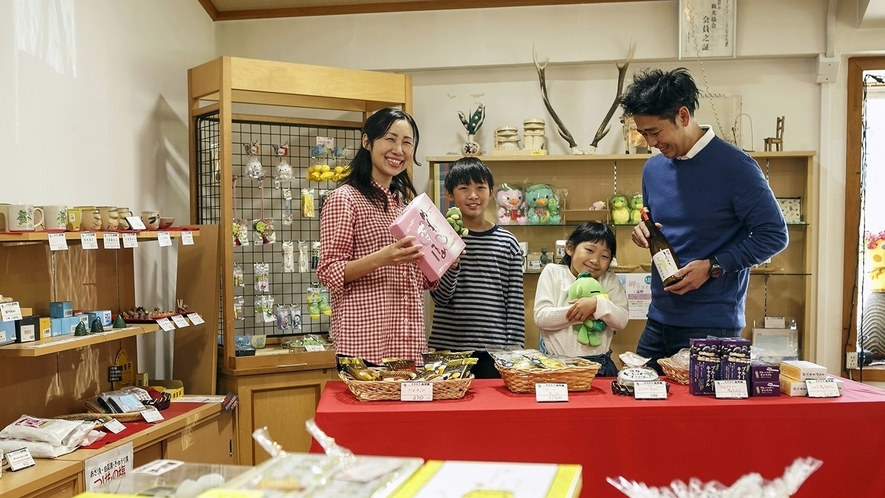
<point>80,330</point>
<point>472,125</point>
<point>118,322</point>
<point>284,169</point>
<point>96,326</point>
<point>253,165</point>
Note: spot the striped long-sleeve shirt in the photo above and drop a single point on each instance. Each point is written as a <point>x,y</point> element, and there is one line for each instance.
<point>479,303</point>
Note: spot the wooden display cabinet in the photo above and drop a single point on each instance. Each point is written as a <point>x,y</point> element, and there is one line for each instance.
<point>784,287</point>
<point>231,90</point>
<point>54,376</point>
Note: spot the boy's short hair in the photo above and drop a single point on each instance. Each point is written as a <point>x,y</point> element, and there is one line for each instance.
<point>467,170</point>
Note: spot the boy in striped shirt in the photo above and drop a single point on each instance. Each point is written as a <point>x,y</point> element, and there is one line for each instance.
<point>479,302</point>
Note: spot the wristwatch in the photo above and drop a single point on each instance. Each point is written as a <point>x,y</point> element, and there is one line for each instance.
<point>715,269</point>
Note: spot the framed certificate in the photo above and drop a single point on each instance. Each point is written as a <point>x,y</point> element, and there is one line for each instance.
<point>707,29</point>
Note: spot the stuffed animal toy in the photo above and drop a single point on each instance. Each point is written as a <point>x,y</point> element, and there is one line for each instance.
<point>542,205</point>
<point>636,209</point>
<point>619,211</point>
<point>453,216</point>
<point>511,205</point>
<point>588,330</point>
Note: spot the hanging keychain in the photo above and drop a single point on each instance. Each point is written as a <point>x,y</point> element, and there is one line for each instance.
<point>264,229</point>
<point>284,169</point>
<point>239,280</point>
<point>240,228</point>
<point>288,256</point>
<point>287,206</point>
<point>303,257</point>
<point>262,277</point>
<point>307,205</point>
<point>253,166</point>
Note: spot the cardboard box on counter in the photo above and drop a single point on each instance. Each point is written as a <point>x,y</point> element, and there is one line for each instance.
<point>802,370</point>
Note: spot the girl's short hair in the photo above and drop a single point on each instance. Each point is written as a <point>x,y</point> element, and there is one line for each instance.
<point>591,231</point>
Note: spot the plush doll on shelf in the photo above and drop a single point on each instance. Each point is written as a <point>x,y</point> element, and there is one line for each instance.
<point>619,211</point>
<point>511,205</point>
<point>542,205</point>
<point>636,209</point>
<point>588,330</point>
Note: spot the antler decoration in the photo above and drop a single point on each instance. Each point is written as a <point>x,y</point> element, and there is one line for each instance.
<point>622,74</point>
<point>560,127</point>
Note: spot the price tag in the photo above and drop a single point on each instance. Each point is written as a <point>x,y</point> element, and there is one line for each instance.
<point>416,391</point>
<point>135,222</point>
<point>88,240</point>
<point>551,391</point>
<point>327,141</point>
<point>165,240</point>
<point>11,311</point>
<point>151,415</point>
<point>653,389</point>
<point>165,324</point>
<point>108,466</point>
<point>314,347</point>
<point>822,388</point>
<point>129,240</point>
<point>195,318</point>
<point>731,389</point>
<point>187,238</point>
<point>537,152</point>
<point>58,242</point>
<point>111,240</point>
<point>180,321</point>
<point>19,459</point>
<point>115,426</point>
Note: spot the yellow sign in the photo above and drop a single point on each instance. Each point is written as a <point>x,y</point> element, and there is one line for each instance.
<point>128,371</point>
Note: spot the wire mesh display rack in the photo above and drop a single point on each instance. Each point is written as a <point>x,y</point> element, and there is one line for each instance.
<point>265,198</point>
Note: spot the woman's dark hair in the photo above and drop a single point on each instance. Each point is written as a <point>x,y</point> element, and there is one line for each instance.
<point>467,170</point>
<point>658,93</point>
<point>590,231</point>
<point>360,176</point>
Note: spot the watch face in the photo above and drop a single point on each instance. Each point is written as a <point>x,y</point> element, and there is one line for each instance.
<point>715,271</point>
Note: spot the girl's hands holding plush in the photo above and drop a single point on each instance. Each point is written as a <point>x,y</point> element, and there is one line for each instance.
<point>581,309</point>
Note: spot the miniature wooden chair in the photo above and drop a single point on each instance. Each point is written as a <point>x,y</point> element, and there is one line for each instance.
<point>778,140</point>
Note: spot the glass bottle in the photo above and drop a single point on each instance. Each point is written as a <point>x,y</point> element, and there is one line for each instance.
<point>662,253</point>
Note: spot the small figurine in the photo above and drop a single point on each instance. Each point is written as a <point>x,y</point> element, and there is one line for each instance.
<point>118,322</point>
<point>471,148</point>
<point>544,259</point>
<point>284,169</point>
<point>619,211</point>
<point>253,166</point>
<point>80,330</point>
<point>96,326</point>
<point>636,209</point>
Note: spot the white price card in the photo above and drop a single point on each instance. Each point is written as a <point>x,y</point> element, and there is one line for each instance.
<point>58,242</point>
<point>111,240</point>
<point>135,222</point>
<point>314,347</point>
<point>129,240</point>
<point>327,141</point>
<point>151,415</point>
<point>416,391</point>
<point>822,388</point>
<point>115,426</point>
<point>165,240</point>
<point>165,324</point>
<point>551,391</point>
<point>88,240</point>
<point>187,238</point>
<point>11,311</point>
<point>195,318</point>
<point>180,321</point>
<point>653,389</point>
<point>19,459</point>
<point>108,466</point>
<point>731,389</point>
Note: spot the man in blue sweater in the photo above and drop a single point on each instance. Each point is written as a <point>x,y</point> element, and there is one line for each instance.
<point>712,204</point>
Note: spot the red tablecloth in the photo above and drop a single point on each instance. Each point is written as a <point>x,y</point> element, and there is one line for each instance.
<point>653,442</point>
<point>174,410</point>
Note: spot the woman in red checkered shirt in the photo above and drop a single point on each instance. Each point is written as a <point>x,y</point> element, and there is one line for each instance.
<point>377,289</point>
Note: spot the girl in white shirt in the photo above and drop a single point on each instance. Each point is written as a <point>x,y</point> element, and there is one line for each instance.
<point>590,248</point>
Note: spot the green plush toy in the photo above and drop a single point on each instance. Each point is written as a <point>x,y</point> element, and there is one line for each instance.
<point>619,210</point>
<point>589,329</point>
<point>636,209</point>
<point>453,216</point>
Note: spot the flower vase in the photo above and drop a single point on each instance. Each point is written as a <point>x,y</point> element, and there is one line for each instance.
<point>470,148</point>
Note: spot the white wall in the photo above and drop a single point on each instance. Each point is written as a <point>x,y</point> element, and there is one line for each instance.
<point>93,112</point>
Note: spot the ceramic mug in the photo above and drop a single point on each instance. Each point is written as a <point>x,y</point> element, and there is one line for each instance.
<point>122,213</point>
<point>90,219</point>
<point>109,218</point>
<point>23,217</point>
<point>54,218</point>
<point>4,207</point>
<point>151,219</point>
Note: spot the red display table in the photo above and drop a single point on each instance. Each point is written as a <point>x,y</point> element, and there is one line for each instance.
<point>653,442</point>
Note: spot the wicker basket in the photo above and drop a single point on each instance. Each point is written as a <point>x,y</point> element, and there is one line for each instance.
<point>390,391</point>
<point>578,377</point>
<point>93,407</point>
<point>623,268</point>
<point>673,372</point>
<point>646,267</point>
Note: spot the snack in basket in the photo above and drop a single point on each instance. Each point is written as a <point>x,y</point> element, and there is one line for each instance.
<point>450,378</point>
<point>522,369</point>
<point>635,370</point>
<point>676,366</point>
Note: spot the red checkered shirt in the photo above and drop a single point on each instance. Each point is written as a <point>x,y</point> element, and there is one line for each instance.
<point>380,315</point>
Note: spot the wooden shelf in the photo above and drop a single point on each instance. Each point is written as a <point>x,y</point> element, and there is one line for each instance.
<point>67,342</point>
<point>605,157</point>
<point>75,236</point>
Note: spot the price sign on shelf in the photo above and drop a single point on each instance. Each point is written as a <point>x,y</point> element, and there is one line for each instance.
<point>151,415</point>
<point>165,240</point>
<point>135,222</point>
<point>416,391</point>
<point>314,347</point>
<point>129,240</point>
<point>195,318</point>
<point>731,389</point>
<point>88,240</point>
<point>551,391</point>
<point>187,238</point>
<point>822,388</point>
<point>11,311</point>
<point>165,324</point>
<point>58,242</point>
<point>111,240</point>
<point>652,389</point>
<point>115,426</point>
<point>180,321</point>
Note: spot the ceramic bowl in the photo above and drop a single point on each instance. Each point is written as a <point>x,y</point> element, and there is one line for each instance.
<point>166,222</point>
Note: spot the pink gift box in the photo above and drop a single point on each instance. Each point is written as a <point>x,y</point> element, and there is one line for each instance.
<point>423,220</point>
